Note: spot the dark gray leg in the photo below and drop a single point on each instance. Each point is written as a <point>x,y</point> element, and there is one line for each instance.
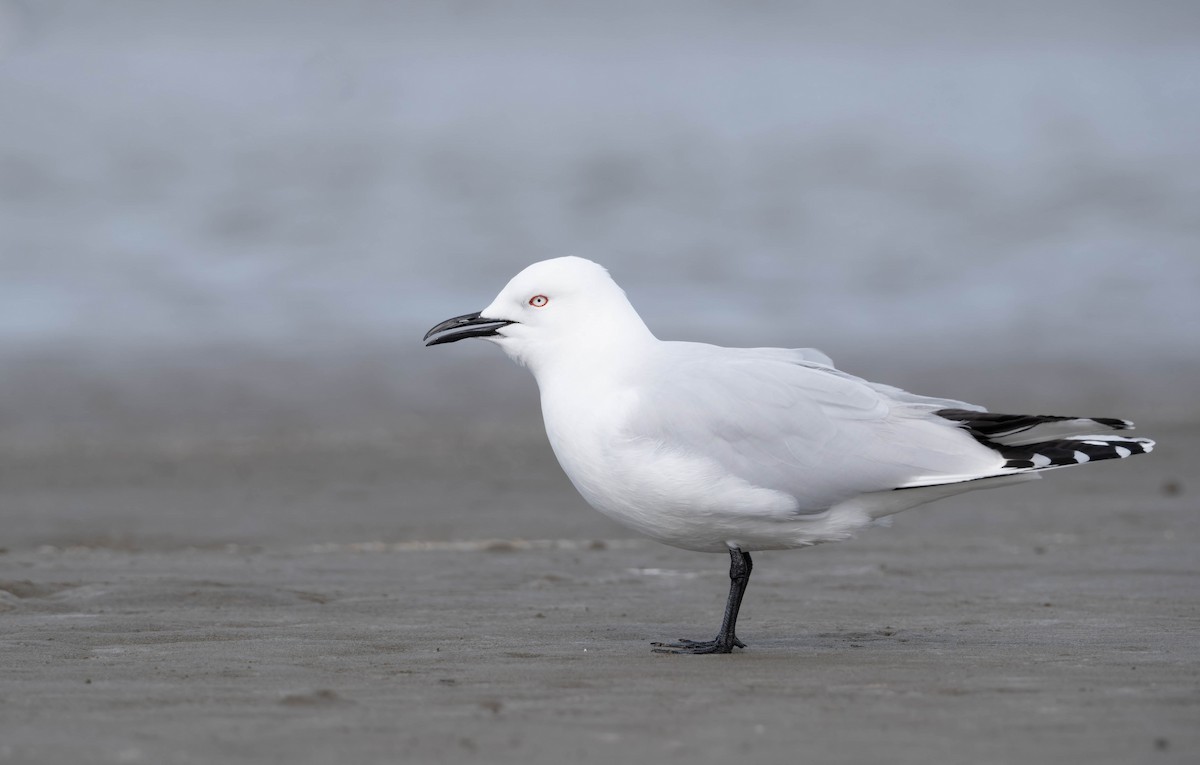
<point>740,566</point>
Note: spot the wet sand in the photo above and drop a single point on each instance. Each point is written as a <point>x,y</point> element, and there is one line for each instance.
<point>340,602</point>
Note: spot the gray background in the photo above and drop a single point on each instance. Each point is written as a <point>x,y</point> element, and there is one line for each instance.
<point>246,517</point>
<point>228,220</point>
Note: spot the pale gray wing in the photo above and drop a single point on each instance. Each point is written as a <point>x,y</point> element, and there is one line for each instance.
<point>802,355</point>
<point>815,358</point>
<point>795,426</point>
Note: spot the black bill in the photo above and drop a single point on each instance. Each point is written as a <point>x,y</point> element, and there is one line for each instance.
<point>467,325</point>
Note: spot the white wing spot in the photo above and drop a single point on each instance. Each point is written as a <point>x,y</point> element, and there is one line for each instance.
<point>1040,460</point>
<point>1122,452</point>
<point>1080,457</point>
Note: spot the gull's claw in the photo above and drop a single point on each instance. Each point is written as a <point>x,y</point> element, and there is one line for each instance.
<point>696,647</point>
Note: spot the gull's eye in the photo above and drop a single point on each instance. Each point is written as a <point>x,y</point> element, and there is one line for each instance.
<point>539,301</point>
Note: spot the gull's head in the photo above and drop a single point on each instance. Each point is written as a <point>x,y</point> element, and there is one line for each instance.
<point>549,309</point>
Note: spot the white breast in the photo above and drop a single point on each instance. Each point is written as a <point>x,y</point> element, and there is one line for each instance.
<point>679,499</point>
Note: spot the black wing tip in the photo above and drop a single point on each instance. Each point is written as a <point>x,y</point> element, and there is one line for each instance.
<point>1072,451</point>
<point>993,425</point>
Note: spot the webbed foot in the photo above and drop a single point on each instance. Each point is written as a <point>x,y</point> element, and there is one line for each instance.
<point>683,645</point>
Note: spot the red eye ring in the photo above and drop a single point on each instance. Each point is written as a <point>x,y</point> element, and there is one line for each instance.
<point>539,301</point>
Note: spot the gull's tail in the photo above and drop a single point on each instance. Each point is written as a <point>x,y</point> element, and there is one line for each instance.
<point>1040,442</point>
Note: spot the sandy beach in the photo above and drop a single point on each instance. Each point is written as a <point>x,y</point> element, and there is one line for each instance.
<point>371,604</point>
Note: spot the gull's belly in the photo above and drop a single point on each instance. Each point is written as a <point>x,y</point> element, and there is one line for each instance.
<point>678,499</point>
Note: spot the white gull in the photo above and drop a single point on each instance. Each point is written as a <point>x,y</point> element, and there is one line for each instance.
<point>743,449</point>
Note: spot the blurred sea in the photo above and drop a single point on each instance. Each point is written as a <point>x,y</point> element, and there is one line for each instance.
<point>227,220</point>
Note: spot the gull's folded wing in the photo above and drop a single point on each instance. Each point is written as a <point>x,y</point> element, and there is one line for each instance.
<point>782,422</point>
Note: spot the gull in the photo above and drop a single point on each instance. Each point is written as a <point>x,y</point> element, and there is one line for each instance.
<point>738,450</point>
